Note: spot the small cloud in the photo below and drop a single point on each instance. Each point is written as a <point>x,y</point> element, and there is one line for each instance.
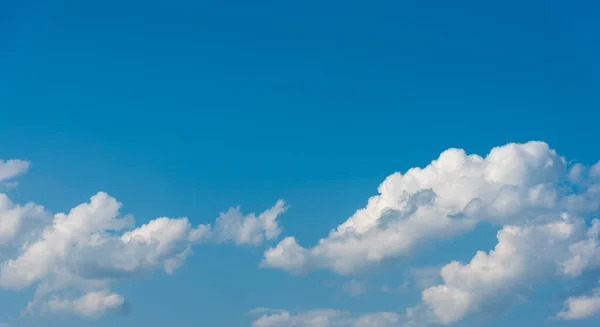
<point>325,317</point>
<point>12,168</point>
<point>91,305</point>
<point>581,307</point>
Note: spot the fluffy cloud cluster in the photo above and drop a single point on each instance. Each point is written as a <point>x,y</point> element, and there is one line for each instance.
<point>85,250</point>
<point>322,318</point>
<point>539,202</point>
<point>523,257</point>
<point>514,183</point>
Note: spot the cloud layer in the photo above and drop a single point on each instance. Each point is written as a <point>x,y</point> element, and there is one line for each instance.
<point>541,204</point>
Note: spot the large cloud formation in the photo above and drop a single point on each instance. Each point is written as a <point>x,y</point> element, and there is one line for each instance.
<point>513,183</point>
<point>74,257</point>
<point>540,203</point>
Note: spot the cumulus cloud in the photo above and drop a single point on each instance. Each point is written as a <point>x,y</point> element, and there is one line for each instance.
<point>233,226</point>
<point>19,221</point>
<point>514,183</point>
<point>93,245</point>
<point>12,168</point>
<point>282,318</point>
<point>523,257</point>
<point>581,307</point>
<point>90,305</point>
<point>540,203</point>
<point>323,318</point>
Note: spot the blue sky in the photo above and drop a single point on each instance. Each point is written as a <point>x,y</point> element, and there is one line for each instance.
<point>189,108</point>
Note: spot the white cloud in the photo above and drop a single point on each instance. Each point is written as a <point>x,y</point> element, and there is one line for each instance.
<point>523,257</point>
<point>85,250</point>
<point>86,226</point>
<point>354,287</point>
<point>12,168</point>
<point>323,318</point>
<point>585,254</point>
<point>233,226</point>
<point>19,221</point>
<point>581,307</point>
<point>512,184</point>
<point>282,318</point>
<point>90,305</point>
